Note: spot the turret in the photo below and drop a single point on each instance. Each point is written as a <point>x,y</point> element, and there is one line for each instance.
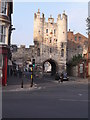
<point>62,35</point>
<point>62,28</point>
<point>38,27</point>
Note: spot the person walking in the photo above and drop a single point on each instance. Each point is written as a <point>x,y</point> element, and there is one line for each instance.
<point>62,77</point>
<point>57,77</point>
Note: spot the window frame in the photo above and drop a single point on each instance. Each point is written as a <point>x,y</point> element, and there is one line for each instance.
<point>38,52</point>
<point>62,52</point>
<point>75,38</point>
<point>4,7</point>
<point>46,30</point>
<point>2,33</point>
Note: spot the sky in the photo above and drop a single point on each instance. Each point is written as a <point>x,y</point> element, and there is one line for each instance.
<point>23,16</point>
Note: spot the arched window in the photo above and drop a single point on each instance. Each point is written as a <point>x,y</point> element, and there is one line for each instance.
<point>62,52</point>
<point>38,52</point>
<point>50,39</point>
<point>50,50</point>
<point>62,45</point>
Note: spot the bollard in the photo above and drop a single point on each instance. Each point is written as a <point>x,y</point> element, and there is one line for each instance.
<point>22,84</point>
<point>31,78</point>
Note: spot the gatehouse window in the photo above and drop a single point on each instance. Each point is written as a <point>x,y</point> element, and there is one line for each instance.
<point>62,52</point>
<point>62,45</point>
<point>50,50</point>
<point>38,52</point>
<point>50,39</point>
<point>46,30</point>
<point>54,31</point>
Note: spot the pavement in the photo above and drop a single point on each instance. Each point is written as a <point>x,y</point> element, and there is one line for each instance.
<point>14,83</point>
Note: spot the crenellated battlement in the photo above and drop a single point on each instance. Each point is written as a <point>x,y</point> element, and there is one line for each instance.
<point>50,19</point>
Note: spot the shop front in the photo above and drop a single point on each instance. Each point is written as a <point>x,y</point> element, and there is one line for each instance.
<point>3,64</point>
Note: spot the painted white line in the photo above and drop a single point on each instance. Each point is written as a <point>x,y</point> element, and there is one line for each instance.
<point>73,100</point>
<point>80,94</point>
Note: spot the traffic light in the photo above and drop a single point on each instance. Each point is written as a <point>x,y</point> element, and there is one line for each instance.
<point>33,62</point>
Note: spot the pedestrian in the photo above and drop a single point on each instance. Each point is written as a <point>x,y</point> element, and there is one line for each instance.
<point>62,77</point>
<point>20,73</point>
<point>11,71</point>
<point>57,77</point>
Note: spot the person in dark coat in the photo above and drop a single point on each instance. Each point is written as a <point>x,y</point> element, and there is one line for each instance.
<point>57,77</point>
<point>62,77</point>
<point>11,71</point>
<point>20,73</point>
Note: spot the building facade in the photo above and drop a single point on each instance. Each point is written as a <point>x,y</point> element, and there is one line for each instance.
<point>6,9</point>
<point>77,48</point>
<point>50,40</point>
<point>77,44</point>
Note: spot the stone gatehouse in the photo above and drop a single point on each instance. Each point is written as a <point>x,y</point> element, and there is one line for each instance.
<point>50,43</point>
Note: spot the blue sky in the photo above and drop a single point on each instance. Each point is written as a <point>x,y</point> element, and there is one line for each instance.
<point>23,16</point>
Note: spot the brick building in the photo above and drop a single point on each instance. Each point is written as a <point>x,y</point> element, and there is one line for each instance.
<point>77,44</point>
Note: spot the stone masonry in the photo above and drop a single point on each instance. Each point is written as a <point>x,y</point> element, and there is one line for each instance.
<point>50,42</point>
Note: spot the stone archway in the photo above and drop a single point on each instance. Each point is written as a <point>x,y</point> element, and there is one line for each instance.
<point>52,67</point>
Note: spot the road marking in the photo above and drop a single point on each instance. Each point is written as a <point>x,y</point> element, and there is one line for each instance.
<point>80,94</point>
<point>73,100</point>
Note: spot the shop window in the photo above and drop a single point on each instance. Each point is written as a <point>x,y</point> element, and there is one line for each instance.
<point>1,60</point>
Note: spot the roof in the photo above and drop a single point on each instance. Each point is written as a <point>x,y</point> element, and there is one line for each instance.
<point>77,34</point>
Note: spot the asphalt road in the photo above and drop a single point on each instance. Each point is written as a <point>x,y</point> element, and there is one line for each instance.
<point>49,100</point>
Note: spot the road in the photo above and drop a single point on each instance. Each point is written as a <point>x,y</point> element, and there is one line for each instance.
<point>50,100</point>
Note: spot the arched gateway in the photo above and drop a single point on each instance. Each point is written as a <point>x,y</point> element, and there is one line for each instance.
<point>50,66</point>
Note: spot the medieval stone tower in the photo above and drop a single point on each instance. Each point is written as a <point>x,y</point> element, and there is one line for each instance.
<point>50,41</point>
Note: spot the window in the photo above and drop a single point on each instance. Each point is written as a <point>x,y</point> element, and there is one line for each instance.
<point>38,52</point>
<point>46,30</point>
<point>75,37</point>
<point>62,53</point>
<point>54,31</point>
<point>1,61</point>
<point>2,33</point>
<point>4,7</point>
<point>50,39</point>
<point>62,45</point>
<point>79,37</point>
<point>50,50</point>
